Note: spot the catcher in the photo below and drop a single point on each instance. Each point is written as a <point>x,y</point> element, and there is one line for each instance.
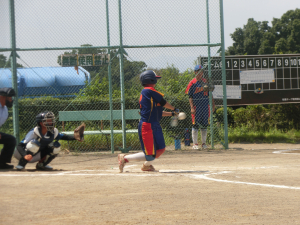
<point>41,143</point>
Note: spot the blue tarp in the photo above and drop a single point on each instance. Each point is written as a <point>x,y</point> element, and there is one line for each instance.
<point>40,81</point>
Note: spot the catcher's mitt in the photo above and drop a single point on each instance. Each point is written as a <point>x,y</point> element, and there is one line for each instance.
<point>79,132</point>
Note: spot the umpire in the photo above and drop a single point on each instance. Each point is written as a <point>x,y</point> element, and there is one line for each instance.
<point>7,140</point>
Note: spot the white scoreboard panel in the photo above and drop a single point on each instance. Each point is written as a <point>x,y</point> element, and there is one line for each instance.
<point>256,72</point>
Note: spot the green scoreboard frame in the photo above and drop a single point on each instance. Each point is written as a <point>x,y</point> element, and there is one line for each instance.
<point>284,89</point>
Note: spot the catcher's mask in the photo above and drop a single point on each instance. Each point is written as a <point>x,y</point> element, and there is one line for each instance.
<point>48,120</point>
<point>148,77</point>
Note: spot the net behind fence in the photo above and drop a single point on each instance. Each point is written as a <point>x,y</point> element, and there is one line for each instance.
<point>82,61</point>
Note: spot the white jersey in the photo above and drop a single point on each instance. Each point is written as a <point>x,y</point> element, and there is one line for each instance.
<point>3,114</point>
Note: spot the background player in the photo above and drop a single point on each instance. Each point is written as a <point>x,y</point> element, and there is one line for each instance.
<point>7,140</point>
<point>41,143</point>
<point>199,103</point>
<point>150,132</point>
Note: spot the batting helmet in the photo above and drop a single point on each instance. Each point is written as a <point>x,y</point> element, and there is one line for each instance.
<point>148,77</point>
<point>45,118</point>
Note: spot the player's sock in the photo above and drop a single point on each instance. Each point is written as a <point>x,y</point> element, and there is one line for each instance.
<point>140,156</point>
<point>195,136</point>
<point>203,135</point>
<point>148,163</point>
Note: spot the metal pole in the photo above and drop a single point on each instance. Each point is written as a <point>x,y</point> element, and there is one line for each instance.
<point>121,50</point>
<point>13,61</point>
<point>110,84</point>
<point>209,78</point>
<point>224,76</point>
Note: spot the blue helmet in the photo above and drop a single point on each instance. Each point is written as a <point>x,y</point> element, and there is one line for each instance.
<point>148,77</point>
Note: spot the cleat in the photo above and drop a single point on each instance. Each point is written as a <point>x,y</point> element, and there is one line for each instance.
<point>121,162</point>
<point>40,166</point>
<point>5,166</point>
<point>195,146</point>
<point>147,168</point>
<point>204,146</point>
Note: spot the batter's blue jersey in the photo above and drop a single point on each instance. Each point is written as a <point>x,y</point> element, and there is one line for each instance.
<point>150,108</point>
<point>150,132</point>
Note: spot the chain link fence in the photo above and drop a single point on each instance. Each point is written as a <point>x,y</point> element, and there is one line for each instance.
<point>82,61</point>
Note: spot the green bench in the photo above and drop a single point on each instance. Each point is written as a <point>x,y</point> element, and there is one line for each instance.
<point>93,115</point>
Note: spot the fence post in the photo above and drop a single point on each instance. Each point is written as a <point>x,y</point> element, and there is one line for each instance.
<point>13,60</point>
<point>224,76</point>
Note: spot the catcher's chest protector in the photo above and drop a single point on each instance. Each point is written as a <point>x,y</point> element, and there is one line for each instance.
<point>46,139</point>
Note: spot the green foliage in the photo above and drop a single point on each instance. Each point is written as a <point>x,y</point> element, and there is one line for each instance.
<point>259,38</point>
<point>5,63</point>
<point>264,118</point>
<point>171,83</point>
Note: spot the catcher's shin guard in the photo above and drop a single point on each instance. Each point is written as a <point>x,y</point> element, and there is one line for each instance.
<point>48,159</point>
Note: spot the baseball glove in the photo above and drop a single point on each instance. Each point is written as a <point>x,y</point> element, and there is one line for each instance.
<point>79,132</point>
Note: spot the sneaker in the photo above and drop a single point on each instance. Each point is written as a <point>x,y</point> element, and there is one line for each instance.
<point>19,167</point>
<point>195,146</point>
<point>5,166</point>
<point>121,162</point>
<point>147,168</point>
<point>40,166</point>
<point>204,146</point>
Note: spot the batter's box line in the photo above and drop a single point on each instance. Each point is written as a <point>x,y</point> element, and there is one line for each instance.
<point>205,177</point>
<point>184,171</point>
<point>287,150</point>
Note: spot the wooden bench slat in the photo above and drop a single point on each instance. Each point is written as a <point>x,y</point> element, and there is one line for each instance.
<point>130,114</point>
<point>103,131</point>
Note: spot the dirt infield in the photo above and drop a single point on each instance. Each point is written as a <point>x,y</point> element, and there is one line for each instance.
<point>246,184</point>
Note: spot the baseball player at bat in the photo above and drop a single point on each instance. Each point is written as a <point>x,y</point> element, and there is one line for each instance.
<point>200,109</point>
<point>41,143</point>
<point>150,132</point>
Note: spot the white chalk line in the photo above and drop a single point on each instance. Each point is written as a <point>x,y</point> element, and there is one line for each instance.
<point>205,176</point>
<point>187,173</point>
<point>287,150</point>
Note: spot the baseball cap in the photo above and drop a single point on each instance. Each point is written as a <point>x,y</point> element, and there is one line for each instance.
<point>9,92</point>
<point>198,67</point>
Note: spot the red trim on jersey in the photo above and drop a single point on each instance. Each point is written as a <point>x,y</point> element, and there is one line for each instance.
<point>147,135</point>
<point>151,88</point>
<point>193,81</point>
<point>190,84</point>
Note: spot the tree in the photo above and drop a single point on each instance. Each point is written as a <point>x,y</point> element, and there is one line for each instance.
<point>99,74</point>
<point>259,38</point>
<point>4,63</point>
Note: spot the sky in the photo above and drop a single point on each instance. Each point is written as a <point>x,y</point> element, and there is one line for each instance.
<point>237,13</point>
<point>79,28</point>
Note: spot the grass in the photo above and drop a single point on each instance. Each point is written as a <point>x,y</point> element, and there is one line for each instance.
<point>244,134</point>
<point>235,135</point>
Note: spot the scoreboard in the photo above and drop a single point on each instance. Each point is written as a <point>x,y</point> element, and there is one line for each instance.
<point>261,79</point>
